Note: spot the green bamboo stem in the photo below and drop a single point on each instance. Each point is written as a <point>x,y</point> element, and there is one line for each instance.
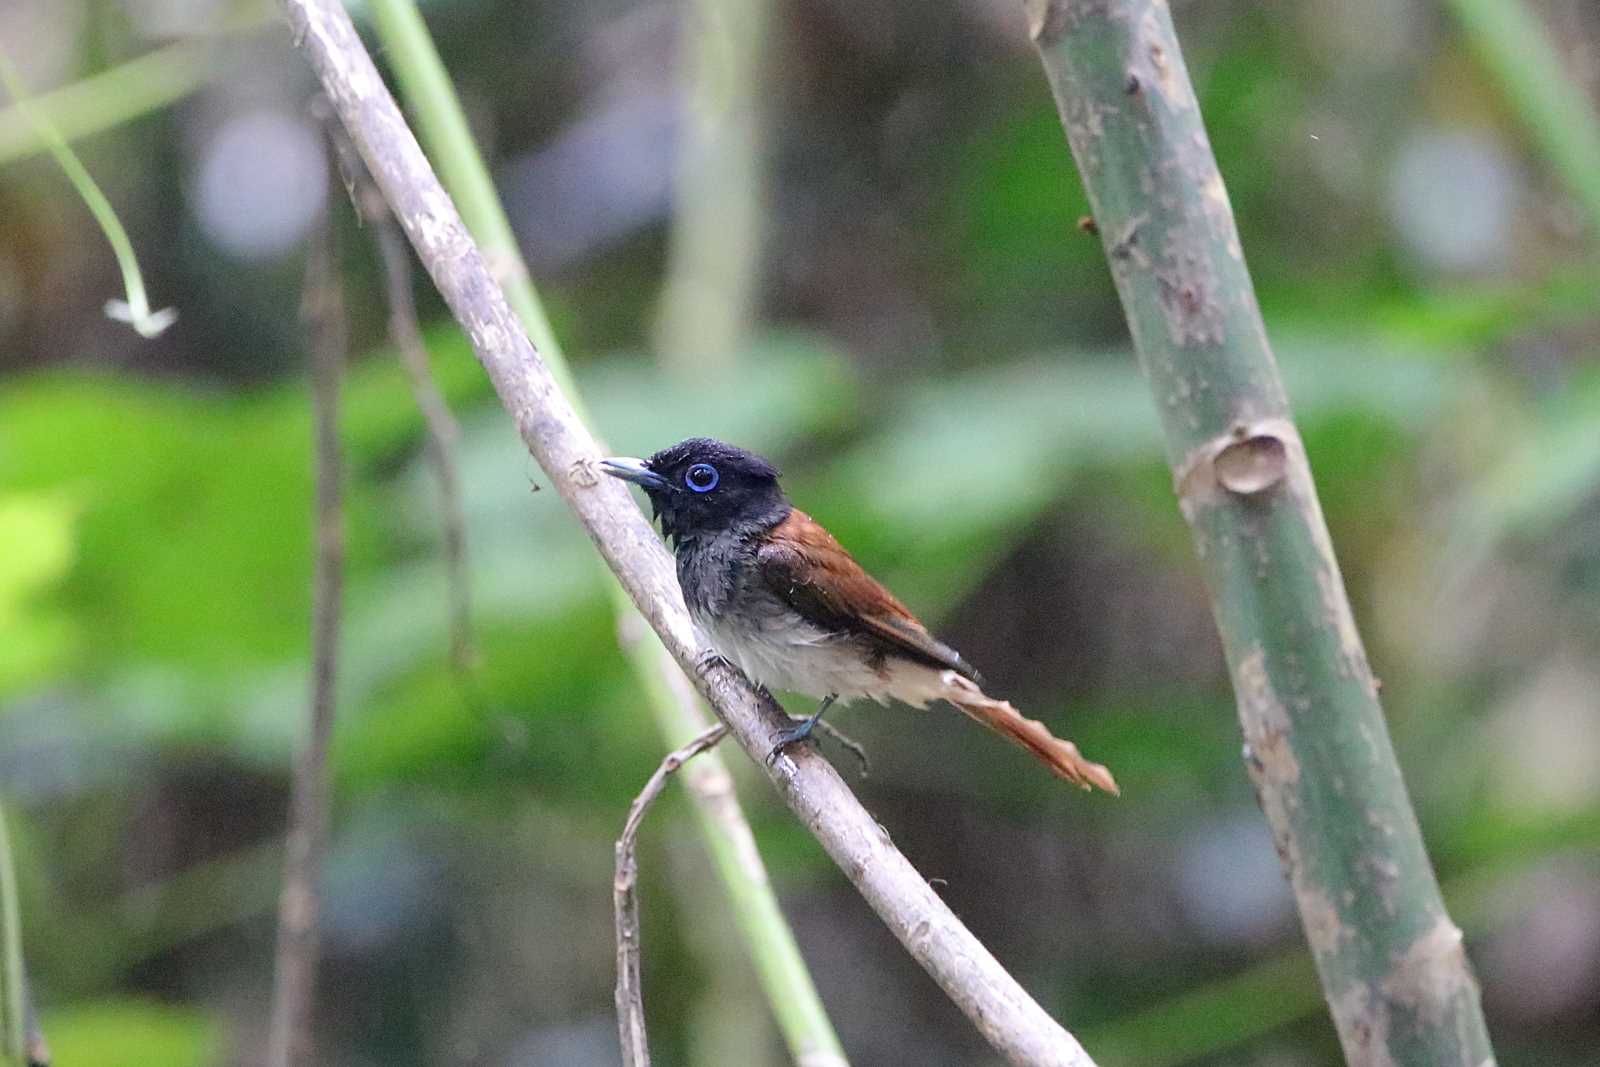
<point>122,93</point>
<point>1220,1016</point>
<point>443,130</point>
<point>13,1038</point>
<point>703,320</point>
<point>1389,958</point>
<point>713,278</point>
<point>679,716</point>
<point>1552,107</point>
<point>105,100</point>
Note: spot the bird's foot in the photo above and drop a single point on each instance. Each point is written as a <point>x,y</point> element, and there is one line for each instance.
<point>797,732</point>
<point>708,661</point>
<point>791,735</point>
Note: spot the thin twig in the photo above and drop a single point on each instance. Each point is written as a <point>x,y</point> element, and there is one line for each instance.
<point>289,1041</point>
<point>444,433</point>
<point>753,904</point>
<point>625,899</point>
<point>549,426</point>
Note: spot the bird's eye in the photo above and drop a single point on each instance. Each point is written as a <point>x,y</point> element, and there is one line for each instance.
<point>702,477</point>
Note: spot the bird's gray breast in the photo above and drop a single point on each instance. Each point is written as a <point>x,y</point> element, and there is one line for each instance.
<point>711,570</point>
<point>747,623</point>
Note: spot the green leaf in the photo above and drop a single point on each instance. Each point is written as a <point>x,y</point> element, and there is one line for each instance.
<point>130,1033</point>
<point>37,532</point>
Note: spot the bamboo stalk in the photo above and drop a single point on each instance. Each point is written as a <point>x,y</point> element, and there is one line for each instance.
<point>1389,958</point>
<point>127,91</point>
<point>679,716</point>
<point>1018,1028</point>
<point>1553,108</point>
<point>13,979</point>
<point>712,288</point>
<point>99,102</point>
<point>442,123</point>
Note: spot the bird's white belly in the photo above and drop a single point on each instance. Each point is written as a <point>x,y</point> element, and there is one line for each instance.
<point>783,652</point>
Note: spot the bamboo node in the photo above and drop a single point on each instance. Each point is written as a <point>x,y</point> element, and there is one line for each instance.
<point>1251,465</point>
<point>1250,458</point>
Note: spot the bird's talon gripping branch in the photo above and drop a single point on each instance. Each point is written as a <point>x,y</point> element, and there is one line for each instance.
<point>708,661</point>
<point>801,731</point>
<point>790,735</point>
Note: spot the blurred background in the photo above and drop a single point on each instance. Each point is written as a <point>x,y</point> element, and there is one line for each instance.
<point>870,270</point>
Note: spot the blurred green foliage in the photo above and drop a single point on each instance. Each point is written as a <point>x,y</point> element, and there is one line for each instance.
<point>950,393</point>
<point>132,1034</point>
<point>37,529</point>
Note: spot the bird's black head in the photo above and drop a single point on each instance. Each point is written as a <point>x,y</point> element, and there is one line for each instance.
<point>700,487</point>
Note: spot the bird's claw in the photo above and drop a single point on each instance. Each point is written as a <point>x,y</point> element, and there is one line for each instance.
<point>708,661</point>
<point>790,735</point>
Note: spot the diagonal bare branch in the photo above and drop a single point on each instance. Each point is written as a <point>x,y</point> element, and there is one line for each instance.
<point>1010,1019</point>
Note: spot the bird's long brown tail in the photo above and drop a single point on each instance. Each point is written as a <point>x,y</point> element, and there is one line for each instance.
<point>1062,757</point>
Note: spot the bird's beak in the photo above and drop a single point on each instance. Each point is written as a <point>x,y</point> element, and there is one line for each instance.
<point>633,470</point>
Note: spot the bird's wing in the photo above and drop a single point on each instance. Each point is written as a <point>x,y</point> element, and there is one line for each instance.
<point>802,563</point>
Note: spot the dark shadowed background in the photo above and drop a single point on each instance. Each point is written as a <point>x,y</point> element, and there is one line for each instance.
<point>913,326</point>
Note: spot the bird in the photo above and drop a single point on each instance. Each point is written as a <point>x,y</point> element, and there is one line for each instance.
<point>771,591</point>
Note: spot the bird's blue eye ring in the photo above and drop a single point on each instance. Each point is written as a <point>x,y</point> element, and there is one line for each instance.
<point>702,477</point>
